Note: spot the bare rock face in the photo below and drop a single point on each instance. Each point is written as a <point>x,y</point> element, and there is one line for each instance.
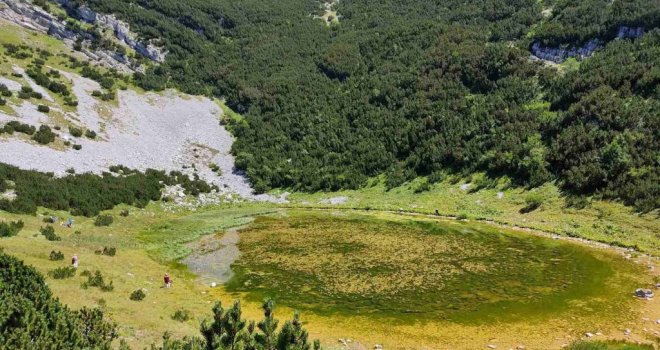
<point>558,54</point>
<point>561,54</point>
<point>123,33</point>
<point>86,14</point>
<point>36,18</point>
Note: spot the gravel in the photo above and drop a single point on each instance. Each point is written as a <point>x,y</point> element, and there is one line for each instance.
<point>11,84</point>
<point>166,131</point>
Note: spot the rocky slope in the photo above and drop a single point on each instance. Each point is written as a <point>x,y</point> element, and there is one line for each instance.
<point>35,18</point>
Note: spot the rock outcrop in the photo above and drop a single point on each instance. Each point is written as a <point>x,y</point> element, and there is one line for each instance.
<point>561,54</point>
<point>35,18</point>
<point>121,30</point>
<point>124,34</point>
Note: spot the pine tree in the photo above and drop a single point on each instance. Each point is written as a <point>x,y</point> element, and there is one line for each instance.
<point>268,327</point>
<point>293,336</point>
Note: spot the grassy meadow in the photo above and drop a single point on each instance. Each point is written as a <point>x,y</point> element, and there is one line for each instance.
<point>478,198</point>
<point>375,278</point>
<point>140,262</point>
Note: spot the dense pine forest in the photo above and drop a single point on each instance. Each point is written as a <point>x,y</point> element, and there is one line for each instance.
<point>421,88</point>
<point>88,194</point>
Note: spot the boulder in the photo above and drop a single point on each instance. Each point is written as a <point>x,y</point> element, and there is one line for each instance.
<point>644,293</point>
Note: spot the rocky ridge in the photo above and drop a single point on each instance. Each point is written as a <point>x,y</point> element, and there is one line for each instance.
<point>35,18</point>
<point>560,54</point>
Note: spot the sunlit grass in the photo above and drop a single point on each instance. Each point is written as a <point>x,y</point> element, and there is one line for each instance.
<point>604,221</point>
<point>420,270</point>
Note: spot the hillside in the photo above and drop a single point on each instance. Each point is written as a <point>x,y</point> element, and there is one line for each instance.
<point>421,89</point>
<point>94,118</point>
<point>393,175</point>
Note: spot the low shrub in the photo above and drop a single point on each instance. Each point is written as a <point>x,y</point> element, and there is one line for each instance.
<point>90,134</point>
<point>577,202</point>
<point>96,280</point>
<point>182,315</point>
<point>423,186</point>
<point>16,126</point>
<point>44,136</point>
<point>77,147</point>
<point>43,108</point>
<point>108,96</point>
<point>109,251</point>
<point>124,213</point>
<point>2,101</point>
<point>97,93</point>
<point>11,229</point>
<point>69,101</point>
<point>24,95</point>
<point>75,132</point>
<point>462,216</point>
<point>103,220</point>
<point>62,272</point>
<point>27,89</point>
<point>4,91</point>
<point>215,168</point>
<point>533,201</point>
<point>56,255</point>
<point>36,95</point>
<point>137,295</point>
<point>49,233</point>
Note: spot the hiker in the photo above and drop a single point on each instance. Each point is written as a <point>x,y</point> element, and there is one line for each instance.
<point>69,223</point>
<point>437,213</point>
<point>168,281</point>
<point>74,261</point>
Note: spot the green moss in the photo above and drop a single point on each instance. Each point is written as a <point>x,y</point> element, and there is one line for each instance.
<point>420,270</point>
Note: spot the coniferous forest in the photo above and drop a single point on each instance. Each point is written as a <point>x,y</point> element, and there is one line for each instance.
<point>420,88</point>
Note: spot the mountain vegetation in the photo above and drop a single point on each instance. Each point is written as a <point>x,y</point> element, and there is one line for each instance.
<point>88,194</point>
<point>418,88</point>
<point>31,318</point>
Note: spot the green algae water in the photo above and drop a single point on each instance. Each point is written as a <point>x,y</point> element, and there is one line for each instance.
<point>409,269</point>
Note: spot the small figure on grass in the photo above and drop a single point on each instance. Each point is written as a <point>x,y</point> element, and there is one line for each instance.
<point>74,261</point>
<point>167,280</point>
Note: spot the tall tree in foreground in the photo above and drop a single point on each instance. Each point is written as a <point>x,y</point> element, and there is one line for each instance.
<point>229,331</point>
<point>31,318</point>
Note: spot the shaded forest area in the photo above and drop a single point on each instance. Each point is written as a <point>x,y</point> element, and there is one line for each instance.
<point>420,88</point>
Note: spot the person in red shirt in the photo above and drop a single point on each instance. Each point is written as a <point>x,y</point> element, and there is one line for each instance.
<point>167,280</point>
